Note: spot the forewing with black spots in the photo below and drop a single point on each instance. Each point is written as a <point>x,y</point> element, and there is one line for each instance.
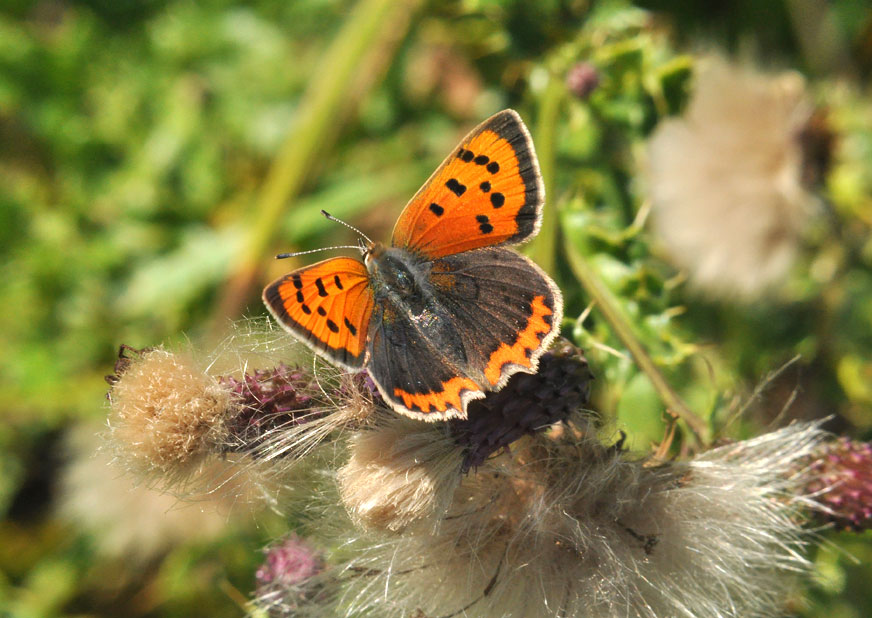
<point>488,192</point>
<point>328,306</point>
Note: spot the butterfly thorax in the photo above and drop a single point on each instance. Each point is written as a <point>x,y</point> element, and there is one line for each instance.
<point>407,308</point>
<point>398,276</point>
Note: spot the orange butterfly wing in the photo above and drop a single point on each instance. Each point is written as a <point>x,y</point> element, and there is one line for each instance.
<point>488,192</point>
<point>328,306</point>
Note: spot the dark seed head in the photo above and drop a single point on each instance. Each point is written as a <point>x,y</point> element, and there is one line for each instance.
<point>527,404</point>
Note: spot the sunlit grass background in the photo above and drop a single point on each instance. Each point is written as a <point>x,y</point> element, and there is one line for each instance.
<point>155,155</point>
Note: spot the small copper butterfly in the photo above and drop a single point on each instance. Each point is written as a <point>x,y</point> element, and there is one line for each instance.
<point>444,314</point>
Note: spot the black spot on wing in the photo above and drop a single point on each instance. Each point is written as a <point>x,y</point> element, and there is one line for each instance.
<point>436,209</point>
<point>302,329</point>
<point>484,224</point>
<point>322,291</point>
<point>508,125</point>
<point>455,186</point>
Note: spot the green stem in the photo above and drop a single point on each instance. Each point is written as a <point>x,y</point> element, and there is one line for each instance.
<point>315,122</point>
<point>316,115</point>
<point>611,310</point>
<point>543,249</point>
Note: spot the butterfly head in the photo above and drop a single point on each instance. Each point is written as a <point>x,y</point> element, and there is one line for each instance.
<point>372,251</point>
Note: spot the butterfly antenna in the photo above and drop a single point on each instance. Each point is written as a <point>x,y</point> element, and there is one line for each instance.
<point>282,256</point>
<point>348,225</point>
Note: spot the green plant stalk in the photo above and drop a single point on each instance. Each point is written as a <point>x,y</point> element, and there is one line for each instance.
<point>543,249</point>
<point>611,310</point>
<point>315,121</point>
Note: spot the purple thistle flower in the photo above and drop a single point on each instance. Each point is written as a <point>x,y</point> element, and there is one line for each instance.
<point>842,474</point>
<point>582,79</point>
<point>269,399</point>
<point>291,562</point>
<point>286,579</point>
<point>364,383</point>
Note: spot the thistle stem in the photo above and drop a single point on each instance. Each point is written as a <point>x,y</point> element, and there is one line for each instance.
<point>544,247</point>
<point>370,23</point>
<point>612,312</point>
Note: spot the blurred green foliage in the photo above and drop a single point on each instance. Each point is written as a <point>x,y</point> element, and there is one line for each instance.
<point>134,141</point>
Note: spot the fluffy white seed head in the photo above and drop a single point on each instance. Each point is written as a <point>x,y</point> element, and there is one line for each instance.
<point>567,527</point>
<point>399,472</point>
<point>725,178</point>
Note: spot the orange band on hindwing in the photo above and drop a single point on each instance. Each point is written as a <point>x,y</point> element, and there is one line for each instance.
<point>440,401</point>
<point>529,339</point>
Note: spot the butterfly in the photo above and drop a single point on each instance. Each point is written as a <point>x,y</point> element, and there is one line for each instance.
<point>445,313</point>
